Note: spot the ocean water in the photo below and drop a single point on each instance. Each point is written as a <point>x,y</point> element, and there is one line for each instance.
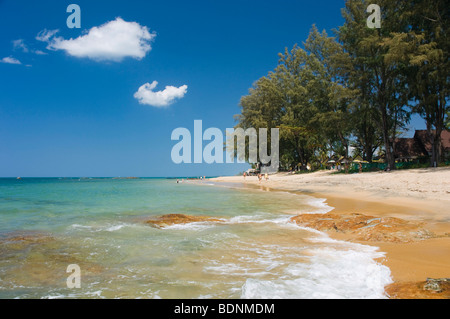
<point>47,224</point>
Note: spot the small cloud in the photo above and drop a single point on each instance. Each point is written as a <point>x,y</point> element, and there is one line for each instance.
<point>20,45</point>
<point>10,60</point>
<point>112,41</point>
<point>146,95</point>
<point>45,35</point>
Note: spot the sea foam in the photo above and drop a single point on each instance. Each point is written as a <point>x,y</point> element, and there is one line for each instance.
<point>337,270</point>
<point>330,273</point>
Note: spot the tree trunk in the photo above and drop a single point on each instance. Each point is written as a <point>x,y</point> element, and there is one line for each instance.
<point>432,139</point>
<point>368,153</point>
<point>387,143</point>
<point>437,146</point>
<point>345,143</point>
<point>439,127</point>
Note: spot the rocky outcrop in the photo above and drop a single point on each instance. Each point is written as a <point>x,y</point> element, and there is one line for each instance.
<point>430,289</point>
<point>366,228</point>
<point>172,219</point>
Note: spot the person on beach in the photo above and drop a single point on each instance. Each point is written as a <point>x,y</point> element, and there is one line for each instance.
<point>245,174</point>
<point>266,176</point>
<point>259,177</point>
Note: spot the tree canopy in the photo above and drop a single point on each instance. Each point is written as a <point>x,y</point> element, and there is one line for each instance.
<point>359,87</point>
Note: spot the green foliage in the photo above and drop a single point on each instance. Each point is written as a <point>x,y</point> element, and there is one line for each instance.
<point>306,98</point>
<point>379,76</point>
<point>424,51</point>
<point>358,89</point>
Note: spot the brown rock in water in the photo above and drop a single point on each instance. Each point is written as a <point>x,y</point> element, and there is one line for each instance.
<point>368,228</point>
<point>430,289</point>
<point>25,237</point>
<point>171,219</point>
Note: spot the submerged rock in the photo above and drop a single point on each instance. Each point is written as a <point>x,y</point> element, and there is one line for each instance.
<point>38,259</point>
<point>172,219</point>
<point>25,237</point>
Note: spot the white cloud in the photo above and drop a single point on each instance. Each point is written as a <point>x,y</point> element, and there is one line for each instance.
<point>112,41</point>
<point>45,35</point>
<point>146,95</point>
<point>20,44</point>
<point>10,60</point>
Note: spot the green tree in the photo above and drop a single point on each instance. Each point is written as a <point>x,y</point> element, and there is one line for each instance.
<point>280,100</point>
<point>381,83</point>
<point>424,47</point>
<point>306,98</point>
<point>329,91</point>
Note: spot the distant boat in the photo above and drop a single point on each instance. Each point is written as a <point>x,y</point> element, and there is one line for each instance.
<point>19,177</point>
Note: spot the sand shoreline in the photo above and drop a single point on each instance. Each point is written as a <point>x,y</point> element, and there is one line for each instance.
<point>420,196</point>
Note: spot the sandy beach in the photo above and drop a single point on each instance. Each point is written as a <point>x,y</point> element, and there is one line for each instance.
<point>407,213</point>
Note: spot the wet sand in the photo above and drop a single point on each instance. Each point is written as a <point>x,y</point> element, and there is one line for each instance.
<point>420,196</point>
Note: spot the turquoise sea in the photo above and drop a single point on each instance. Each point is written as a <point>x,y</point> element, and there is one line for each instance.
<point>47,224</point>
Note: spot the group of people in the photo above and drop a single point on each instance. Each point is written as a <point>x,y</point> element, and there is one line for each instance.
<point>260,176</point>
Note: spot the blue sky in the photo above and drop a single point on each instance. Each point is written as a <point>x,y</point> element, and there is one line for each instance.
<point>65,112</point>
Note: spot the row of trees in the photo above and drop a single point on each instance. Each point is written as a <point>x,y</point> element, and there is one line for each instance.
<point>359,87</point>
